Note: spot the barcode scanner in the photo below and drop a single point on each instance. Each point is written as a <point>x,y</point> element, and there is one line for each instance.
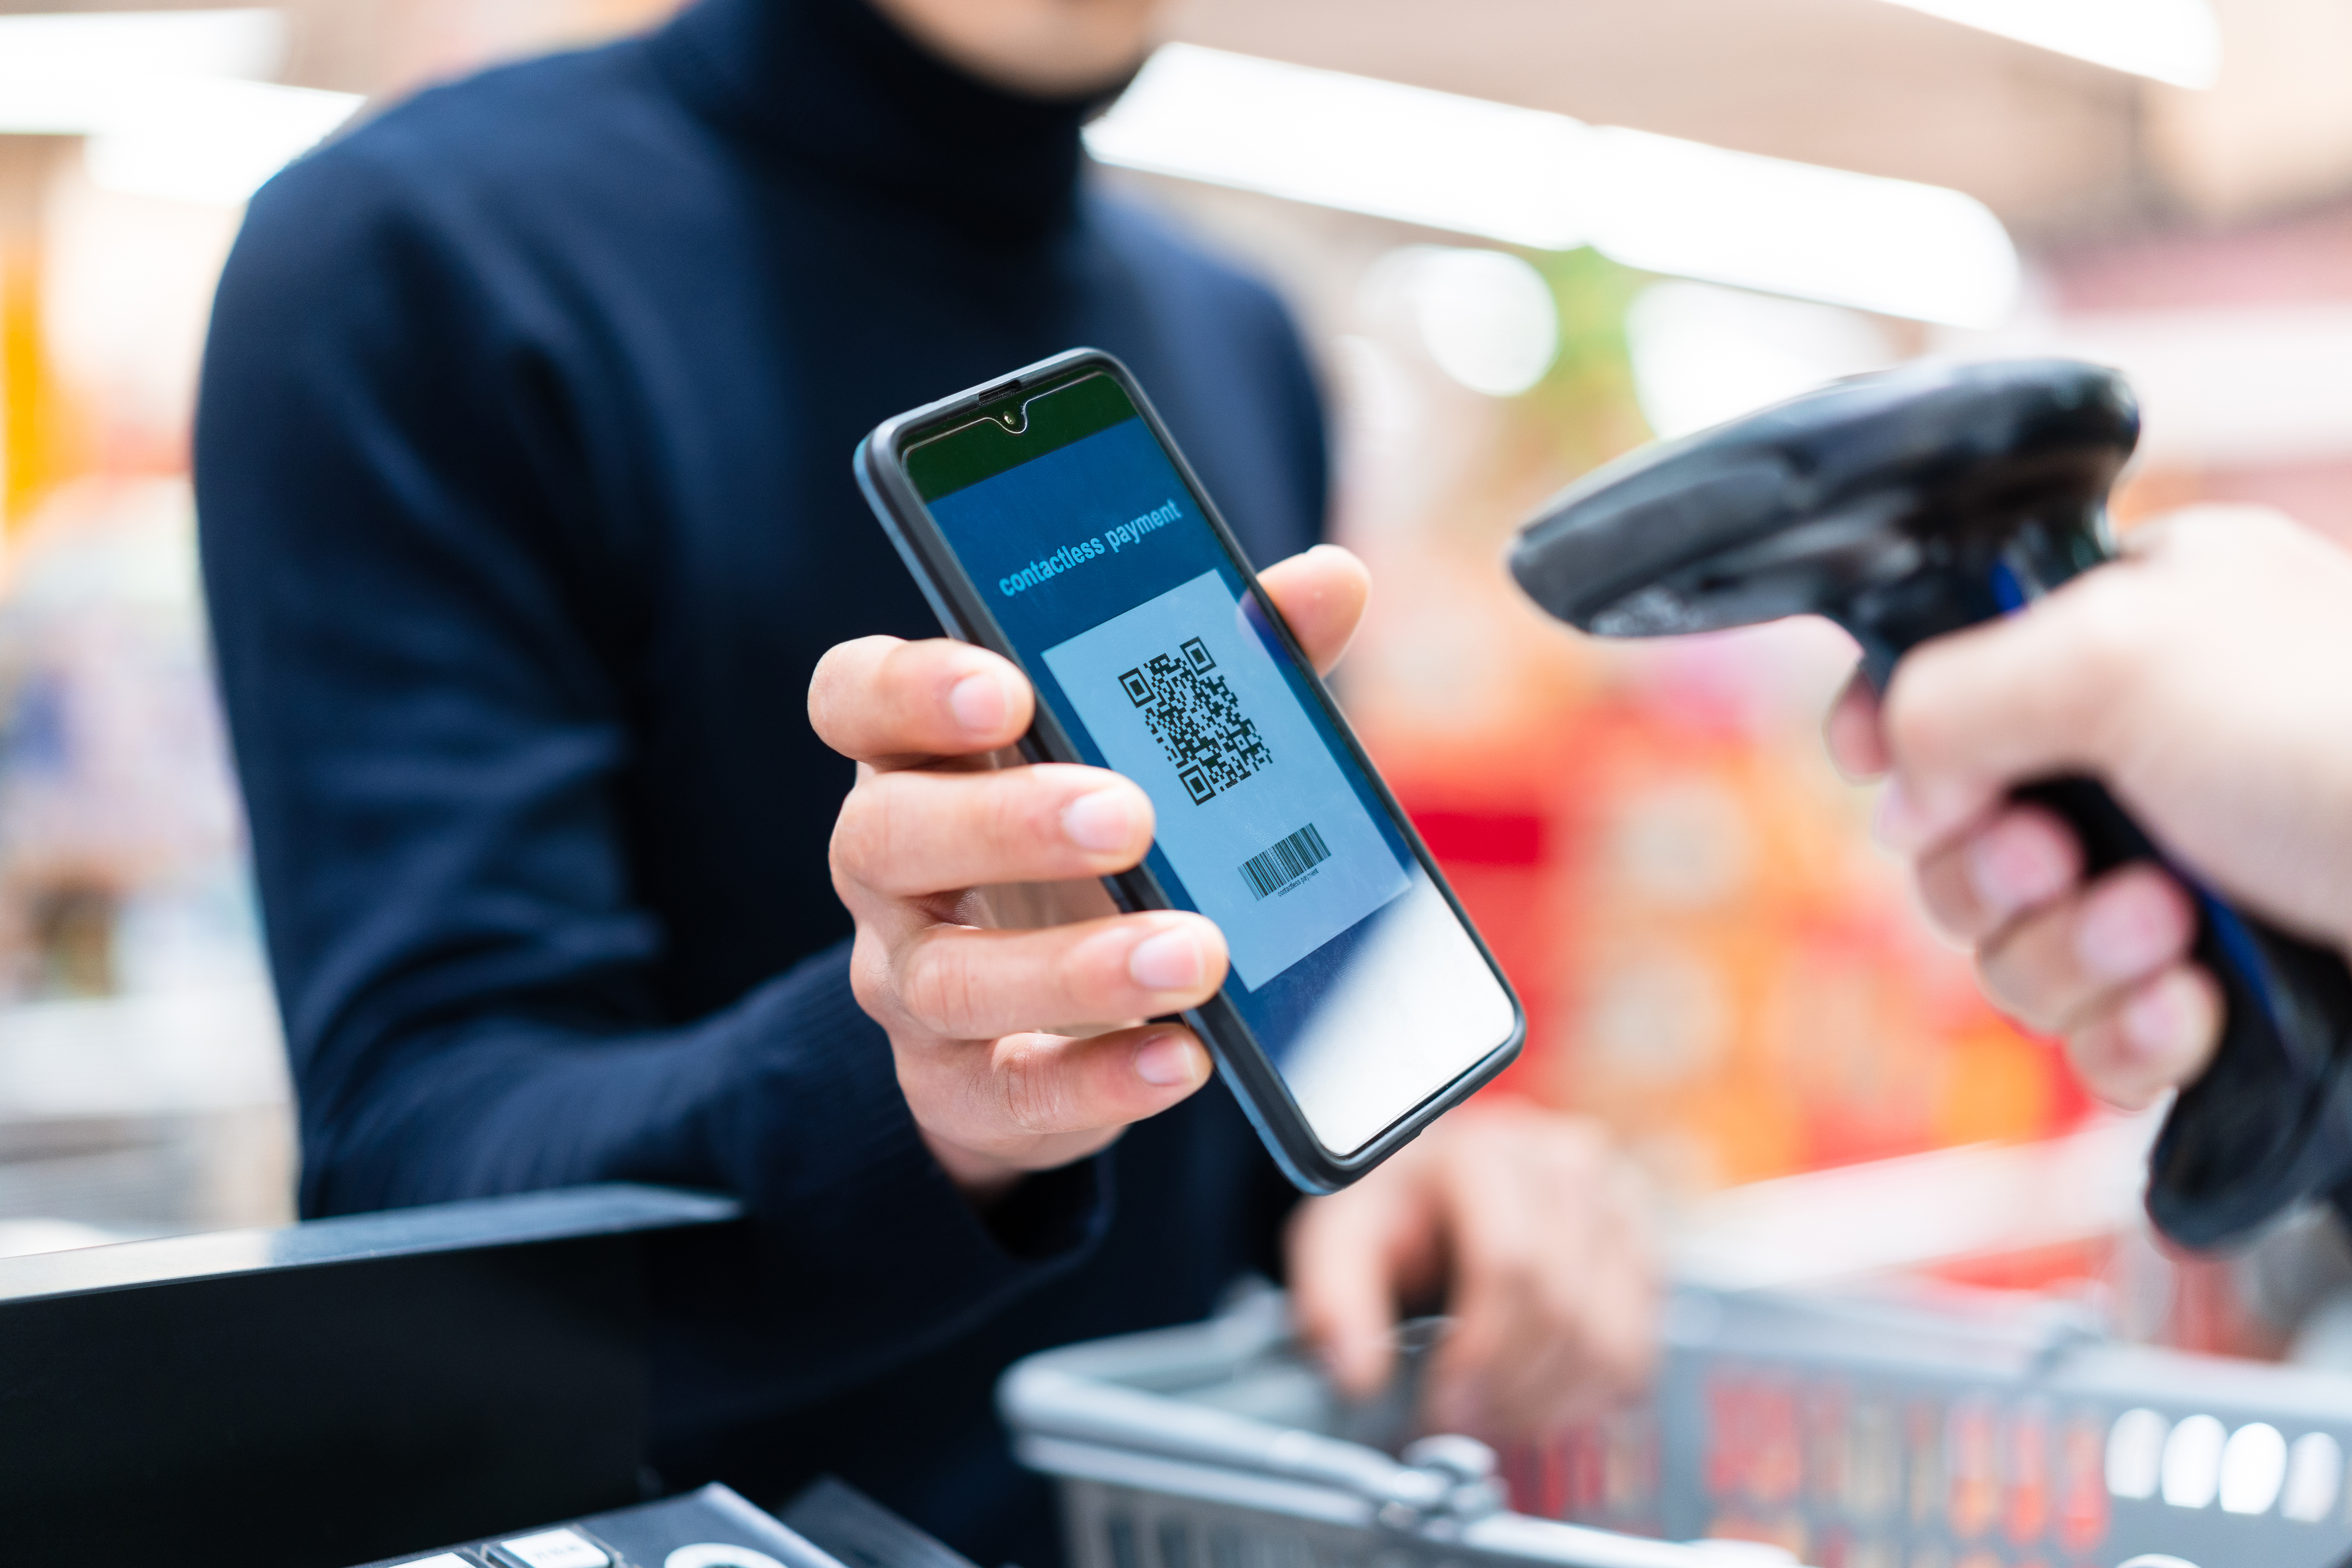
<point>1909,504</point>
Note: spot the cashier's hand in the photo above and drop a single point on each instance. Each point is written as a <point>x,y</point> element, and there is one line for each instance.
<point>2207,678</point>
<point>1019,1051</point>
<point>1527,1230</point>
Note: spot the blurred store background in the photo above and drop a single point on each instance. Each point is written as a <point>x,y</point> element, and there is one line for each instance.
<point>1522,236</point>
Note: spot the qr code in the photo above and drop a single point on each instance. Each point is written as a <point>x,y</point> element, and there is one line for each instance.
<point>1196,719</point>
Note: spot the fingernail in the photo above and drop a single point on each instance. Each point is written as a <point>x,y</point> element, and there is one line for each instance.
<point>980,702</point>
<point>2014,866</point>
<point>1894,822</point>
<point>1105,819</point>
<point>1168,962</point>
<point>1350,1365</point>
<point>1164,1061</point>
<point>2126,930</point>
<point>1460,1409</point>
<point>1908,820</point>
<point>2165,1021</point>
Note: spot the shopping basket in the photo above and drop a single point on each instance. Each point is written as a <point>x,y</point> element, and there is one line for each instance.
<point>1219,1445</point>
<point>1854,1430</point>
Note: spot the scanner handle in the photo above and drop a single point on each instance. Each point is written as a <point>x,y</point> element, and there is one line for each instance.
<point>2238,1145</point>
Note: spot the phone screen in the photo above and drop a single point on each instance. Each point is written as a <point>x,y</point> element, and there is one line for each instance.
<point>1143,636</point>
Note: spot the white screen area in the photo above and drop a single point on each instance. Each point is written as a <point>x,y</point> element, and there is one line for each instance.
<point>1415,1009</point>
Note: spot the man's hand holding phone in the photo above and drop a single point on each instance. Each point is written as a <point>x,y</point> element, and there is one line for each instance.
<point>1520,1218</point>
<point>979,1017</point>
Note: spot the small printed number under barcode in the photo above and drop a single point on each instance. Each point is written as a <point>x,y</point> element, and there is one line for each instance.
<point>1286,862</point>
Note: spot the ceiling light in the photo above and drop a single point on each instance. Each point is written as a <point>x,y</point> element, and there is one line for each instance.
<point>1338,141</point>
<point>169,99</point>
<point>43,56</point>
<point>2176,41</point>
<point>1485,316</point>
<point>1888,245</point>
<point>1548,182</point>
<point>213,142</point>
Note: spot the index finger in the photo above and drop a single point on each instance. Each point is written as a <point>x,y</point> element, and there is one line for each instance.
<point>2041,692</point>
<point>888,702</point>
<point>1342,1291</point>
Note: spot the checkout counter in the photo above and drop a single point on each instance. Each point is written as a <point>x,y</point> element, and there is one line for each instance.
<point>321,1395</point>
<point>467,1385</point>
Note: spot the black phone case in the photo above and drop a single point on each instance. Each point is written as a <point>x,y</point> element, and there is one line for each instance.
<point>1247,1069</point>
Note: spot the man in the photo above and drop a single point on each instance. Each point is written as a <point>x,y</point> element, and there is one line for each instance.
<point>2207,678</point>
<point>523,459</point>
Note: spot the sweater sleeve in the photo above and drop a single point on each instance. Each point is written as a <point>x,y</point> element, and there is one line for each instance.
<point>422,613</point>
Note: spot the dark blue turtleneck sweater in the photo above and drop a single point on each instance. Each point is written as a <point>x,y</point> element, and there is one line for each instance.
<point>523,464</point>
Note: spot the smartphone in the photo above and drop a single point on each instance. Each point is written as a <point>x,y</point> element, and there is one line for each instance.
<point>1049,517</point>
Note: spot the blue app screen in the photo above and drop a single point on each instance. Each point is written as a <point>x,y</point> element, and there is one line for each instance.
<point>1137,630</point>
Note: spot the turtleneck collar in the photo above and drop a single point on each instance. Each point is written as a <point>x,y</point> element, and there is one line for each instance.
<point>836,87</point>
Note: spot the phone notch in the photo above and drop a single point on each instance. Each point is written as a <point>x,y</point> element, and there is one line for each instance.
<point>1015,415</point>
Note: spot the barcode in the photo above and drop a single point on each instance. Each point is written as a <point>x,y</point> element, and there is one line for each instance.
<point>1286,862</point>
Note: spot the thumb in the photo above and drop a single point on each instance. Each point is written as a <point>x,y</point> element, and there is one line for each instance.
<point>1851,731</point>
<point>1322,593</point>
<point>1342,1297</point>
